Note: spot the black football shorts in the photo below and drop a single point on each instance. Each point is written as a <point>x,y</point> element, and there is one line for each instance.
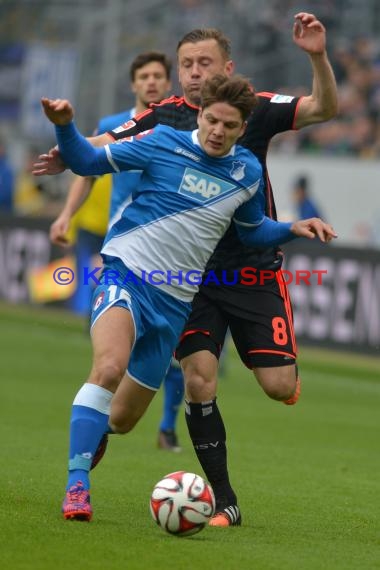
<point>260,319</point>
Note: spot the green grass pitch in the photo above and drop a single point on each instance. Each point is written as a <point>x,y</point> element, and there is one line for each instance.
<point>308,476</point>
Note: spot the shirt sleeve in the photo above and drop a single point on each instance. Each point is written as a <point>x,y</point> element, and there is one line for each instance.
<point>267,234</point>
<point>81,157</point>
<point>86,160</point>
<point>257,230</point>
<point>143,122</point>
<point>252,212</point>
<point>278,111</point>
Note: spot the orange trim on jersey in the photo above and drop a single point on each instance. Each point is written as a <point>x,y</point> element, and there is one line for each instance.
<point>267,94</point>
<point>142,114</point>
<point>288,308</point>
<point>269,197</point>
<point>171,99</point>
<point>190,104</point>
<point>292,355</point>
<point>294,128</point>
<point>175,99</point>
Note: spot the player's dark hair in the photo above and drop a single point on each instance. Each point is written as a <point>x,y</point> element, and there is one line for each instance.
<point>147,57</point>
<point>236,91</point>
<point>202,34</point>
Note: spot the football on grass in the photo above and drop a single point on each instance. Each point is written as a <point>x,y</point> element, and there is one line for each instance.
<point>182,503</point>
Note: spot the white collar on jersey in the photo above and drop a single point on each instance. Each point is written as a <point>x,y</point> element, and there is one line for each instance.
<point>194,136</point>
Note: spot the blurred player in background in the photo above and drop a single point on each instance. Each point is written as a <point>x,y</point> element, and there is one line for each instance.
<point>259,317</point>
<point>305,204</point>
<point>150,82</point>
<point>7,182</point>
<point>86,232</point>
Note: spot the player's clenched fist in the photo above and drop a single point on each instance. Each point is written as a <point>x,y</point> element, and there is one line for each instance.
<point>58,111</point>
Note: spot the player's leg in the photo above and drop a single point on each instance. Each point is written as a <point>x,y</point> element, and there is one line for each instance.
<point>265,340</point>
<point>223,358</point>
<point>162,321</point>
<point>129,404</point>
<point>112,338</point>
<point>172,400</point>
<point>280,383</point>
<point>198,352</point>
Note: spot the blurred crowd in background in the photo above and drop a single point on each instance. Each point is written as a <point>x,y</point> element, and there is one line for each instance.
<point>356,131</point>
<point>82,50</point>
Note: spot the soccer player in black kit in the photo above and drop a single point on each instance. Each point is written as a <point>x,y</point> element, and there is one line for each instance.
<point>259,315</point>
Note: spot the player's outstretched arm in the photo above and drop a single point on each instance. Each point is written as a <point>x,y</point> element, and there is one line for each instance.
<point>76,151</point>
<point>313,227</point>
<point>270,233</point>
<point>309,34</point>
<point>51,163</point>
<point>58,111</point>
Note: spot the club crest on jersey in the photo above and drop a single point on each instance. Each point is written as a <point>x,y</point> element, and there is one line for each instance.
<point>202,186</point>
<point>238,170</point>
<point>98,301</point>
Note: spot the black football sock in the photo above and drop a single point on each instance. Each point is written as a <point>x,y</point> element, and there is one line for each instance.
<point>208,434</point>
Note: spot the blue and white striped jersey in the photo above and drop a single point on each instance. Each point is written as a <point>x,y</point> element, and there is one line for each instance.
<point>184,202</point>
<point>183,206</point>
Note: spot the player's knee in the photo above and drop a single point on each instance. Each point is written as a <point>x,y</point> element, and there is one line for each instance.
<point>200,378</point>
<point>282,389</point>
<point>278,383</point>
<point>120,424</point>
<point>120,428</point>
<point>107,373</point>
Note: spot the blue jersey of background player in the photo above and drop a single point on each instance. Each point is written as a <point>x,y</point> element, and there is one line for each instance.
<point>123,183</point>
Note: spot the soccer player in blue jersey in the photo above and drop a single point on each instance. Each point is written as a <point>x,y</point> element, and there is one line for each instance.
<point>259,317</point>
<point>150,82</point>
<point>193,184</point>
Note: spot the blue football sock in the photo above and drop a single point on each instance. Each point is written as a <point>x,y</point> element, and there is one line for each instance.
<point>89,421</point>
<point>173,395</point>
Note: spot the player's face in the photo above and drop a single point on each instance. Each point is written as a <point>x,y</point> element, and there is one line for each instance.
<point>151,84</point>
<point>196,63</point>
<point>220,125</point>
